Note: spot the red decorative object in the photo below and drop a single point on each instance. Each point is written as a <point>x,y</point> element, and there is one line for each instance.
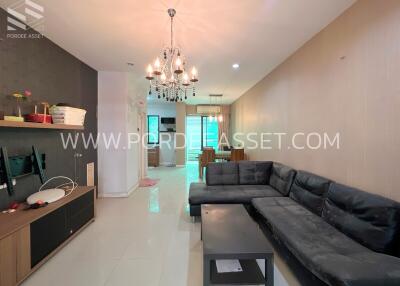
<point>39,118</point>
<point>14,206</point>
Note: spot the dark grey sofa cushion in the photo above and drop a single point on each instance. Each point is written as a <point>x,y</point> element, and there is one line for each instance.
<point>310,191</point>
<point>282,178</point>
<point>222,174</point>
<point>371,220</point>
<point>254,172</point>
<point>200,193</point>
<point>329,254</point>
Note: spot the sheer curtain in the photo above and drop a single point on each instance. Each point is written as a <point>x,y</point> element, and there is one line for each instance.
<point>223,126</point>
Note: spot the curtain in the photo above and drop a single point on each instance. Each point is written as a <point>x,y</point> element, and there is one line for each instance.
<point>223,127</point>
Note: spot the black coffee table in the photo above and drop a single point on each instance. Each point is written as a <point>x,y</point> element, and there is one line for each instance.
<point>228,232</point>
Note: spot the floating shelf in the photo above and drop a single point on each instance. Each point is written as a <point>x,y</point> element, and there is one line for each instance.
<point>15,124</point>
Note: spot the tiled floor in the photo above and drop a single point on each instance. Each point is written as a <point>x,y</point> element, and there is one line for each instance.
<point>144,240</point>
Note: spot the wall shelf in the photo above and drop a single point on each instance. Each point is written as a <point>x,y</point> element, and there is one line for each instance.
<point>14,124</point>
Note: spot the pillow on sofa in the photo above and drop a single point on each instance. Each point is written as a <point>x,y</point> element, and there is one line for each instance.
<point>282,178</point>
<point>254,173</point>
<point>371,220</point>
<point>310,191</point>
<point>222,174</point>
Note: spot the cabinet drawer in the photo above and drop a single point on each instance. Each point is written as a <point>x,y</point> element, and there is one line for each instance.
<point>77,220</point>
<point>47,234</point>
<point>80,203</point>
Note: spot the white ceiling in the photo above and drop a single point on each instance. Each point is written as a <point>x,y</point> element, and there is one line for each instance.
<point>257,34</point>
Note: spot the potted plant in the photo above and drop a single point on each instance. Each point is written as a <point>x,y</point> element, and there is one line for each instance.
<point>19,97</point>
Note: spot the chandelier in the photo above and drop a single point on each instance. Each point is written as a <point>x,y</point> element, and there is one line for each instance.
<point>168,76</point>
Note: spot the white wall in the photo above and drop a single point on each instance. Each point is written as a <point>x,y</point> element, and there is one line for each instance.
<point>167,150</point>
<point>132,120</point>
<point>117,116</point>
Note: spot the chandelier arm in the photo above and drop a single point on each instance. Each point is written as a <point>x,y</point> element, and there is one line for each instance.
<point>172,32</point>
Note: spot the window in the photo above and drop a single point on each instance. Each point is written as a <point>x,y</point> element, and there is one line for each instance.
<point>153,129</point>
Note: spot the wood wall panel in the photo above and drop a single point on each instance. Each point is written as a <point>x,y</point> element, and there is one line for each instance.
<point>346,80</point>
<point>8,262</point>
<point>23,238</point>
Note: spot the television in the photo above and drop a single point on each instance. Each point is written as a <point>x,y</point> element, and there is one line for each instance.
<point>167,120</point>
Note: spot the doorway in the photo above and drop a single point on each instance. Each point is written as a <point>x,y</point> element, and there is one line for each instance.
<point>201,131</point>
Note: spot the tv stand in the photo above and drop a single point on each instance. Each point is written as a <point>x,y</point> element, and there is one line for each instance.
<point>28,238</point>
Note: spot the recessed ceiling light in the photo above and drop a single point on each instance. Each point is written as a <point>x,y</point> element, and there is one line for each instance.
<point>235,66</point>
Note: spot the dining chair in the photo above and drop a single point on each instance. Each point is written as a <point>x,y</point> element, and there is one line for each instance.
<point>237,155</point>
<point>208,156</point>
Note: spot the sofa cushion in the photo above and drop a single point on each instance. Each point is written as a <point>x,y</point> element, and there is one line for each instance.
<point>254,173</point>
<point>310,191</point>
<point>328,253</point>
<point>282,178</point>
<point>200,193</point>
<point>371,220</point>
<point>222,174</point>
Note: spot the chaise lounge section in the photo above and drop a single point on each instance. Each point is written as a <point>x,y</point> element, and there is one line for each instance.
<point>348,239</point>
<point>342,235</point>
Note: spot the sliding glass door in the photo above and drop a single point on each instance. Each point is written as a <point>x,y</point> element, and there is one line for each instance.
<point>193,137</point>
<point>200,132</point>
<point>210,132</point>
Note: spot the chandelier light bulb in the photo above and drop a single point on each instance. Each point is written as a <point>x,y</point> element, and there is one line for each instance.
<point>157,63</point>
<point>163,78</point>
<point>194,75</point>
<point>157,67</point>
<point>149,72</point>
<point>172,79</point>
<point>185,79</point>
<point>220,118</point>
<point>178,62</point>
<point>178,65</point>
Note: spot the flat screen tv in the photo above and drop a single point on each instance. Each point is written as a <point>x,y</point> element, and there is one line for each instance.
<point>167,120</point>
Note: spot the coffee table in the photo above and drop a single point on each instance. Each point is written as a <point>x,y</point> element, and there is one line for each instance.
<point>228,232</point>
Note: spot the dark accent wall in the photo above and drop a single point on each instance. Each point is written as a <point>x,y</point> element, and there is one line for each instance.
<point>55,76</point>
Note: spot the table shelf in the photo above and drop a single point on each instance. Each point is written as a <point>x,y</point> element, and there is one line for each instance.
<point>251,274</point>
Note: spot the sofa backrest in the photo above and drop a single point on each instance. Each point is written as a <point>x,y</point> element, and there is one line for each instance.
<point>282,178</point>
<point>310,191</point>
<point>226,173</point>
<point>254,172</point>
<point>370,219</point>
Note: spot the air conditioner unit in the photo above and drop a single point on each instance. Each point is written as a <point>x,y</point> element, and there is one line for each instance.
<point>208,109</point>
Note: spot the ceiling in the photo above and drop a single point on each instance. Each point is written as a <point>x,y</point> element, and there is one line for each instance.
<point>257,34</point>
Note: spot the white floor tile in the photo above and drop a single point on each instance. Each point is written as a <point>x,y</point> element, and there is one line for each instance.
<point>147,239</point>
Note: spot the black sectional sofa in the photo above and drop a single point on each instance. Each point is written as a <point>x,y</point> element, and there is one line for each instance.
<point>344,236</point>
<point>239,183</point>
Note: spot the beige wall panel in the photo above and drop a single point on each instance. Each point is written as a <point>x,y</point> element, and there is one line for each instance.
<point>346,80</point>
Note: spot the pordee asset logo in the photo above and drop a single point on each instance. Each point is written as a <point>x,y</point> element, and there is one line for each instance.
<point>25,20</point>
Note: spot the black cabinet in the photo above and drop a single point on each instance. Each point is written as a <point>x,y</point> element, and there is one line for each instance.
<point>47,234</point>
<point>50,231</point>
